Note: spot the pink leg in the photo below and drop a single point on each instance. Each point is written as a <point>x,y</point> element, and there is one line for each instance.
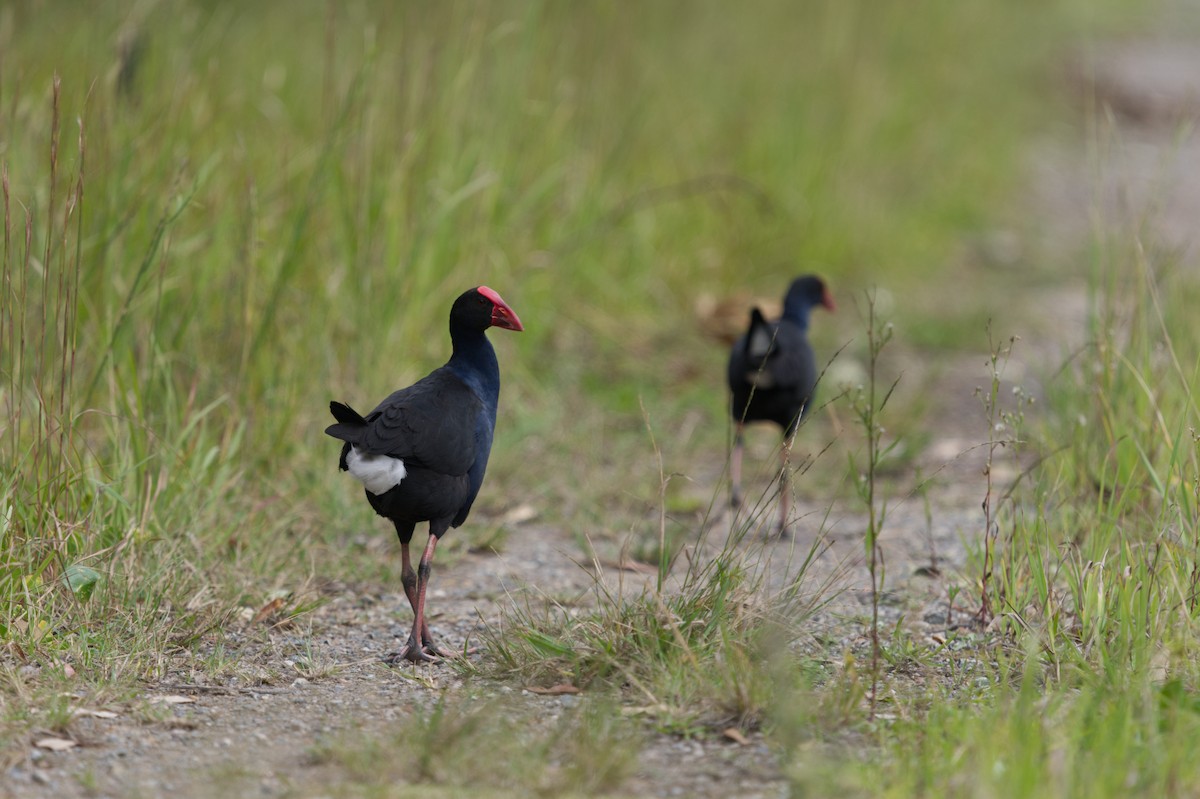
<point>408,577</point>
<point>420,647</point>
<point>785,487</point>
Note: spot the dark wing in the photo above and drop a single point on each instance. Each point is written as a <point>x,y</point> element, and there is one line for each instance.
<point>791,362</point>
<point>431,423</point>
<point>771,355</point>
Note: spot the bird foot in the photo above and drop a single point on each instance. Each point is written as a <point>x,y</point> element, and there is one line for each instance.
<point>426,652</point>
<point>735,500</point>
<point>412,655</point>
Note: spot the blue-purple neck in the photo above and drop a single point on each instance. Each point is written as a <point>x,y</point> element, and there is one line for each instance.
<point>474,361</point>
<point>797,310</point>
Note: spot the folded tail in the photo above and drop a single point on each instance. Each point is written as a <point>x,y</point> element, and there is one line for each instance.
<point>759,348</point>
<point>350,423</point>
<point>760,338</point>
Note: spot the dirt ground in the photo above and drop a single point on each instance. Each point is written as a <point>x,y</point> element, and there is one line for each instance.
<point>237,736</point>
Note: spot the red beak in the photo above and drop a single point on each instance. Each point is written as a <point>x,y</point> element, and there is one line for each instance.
<point>502,315</point>
<point>827,300</point>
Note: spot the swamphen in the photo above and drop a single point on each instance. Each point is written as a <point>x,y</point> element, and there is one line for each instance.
<point>422,452</point>
<point>772,374</point>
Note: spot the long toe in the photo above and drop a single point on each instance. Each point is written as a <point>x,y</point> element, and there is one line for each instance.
<point>411,654</point>
<point>439,652</point>
<point>430,646</point>
<point>414,653</point>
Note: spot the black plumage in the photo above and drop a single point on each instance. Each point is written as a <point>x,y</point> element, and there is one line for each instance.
<point>772,375</point>
<point>421,454</point>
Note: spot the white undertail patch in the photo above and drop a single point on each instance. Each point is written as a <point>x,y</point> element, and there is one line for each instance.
<point>378,473</point>
<point>760,342</point>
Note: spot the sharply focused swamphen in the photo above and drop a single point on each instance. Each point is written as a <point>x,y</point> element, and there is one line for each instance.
<point>422,452</point>
<point>772,374</point>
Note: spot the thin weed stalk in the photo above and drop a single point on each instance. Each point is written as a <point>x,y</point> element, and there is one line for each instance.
<point>664,557</point>
<point>984,614</point>
<point>39,352</point>
<point>1003,432</point>
<point>867,406</point>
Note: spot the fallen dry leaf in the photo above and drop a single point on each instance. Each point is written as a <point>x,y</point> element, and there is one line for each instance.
<point>626,564</point>
<point>55,744</point>
<point>519,514</point>
<point>14,646</point>
<point>172,699</point>
<point>735,735</point>
<point>96,714</point>
<point>725,318</point>
<point>553,690</point>
<point>268,610</point>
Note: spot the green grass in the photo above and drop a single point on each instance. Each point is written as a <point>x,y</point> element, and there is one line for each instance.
<point>228,215</point>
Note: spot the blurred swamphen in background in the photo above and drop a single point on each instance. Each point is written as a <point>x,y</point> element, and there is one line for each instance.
<point>422,452</point>
<point>772,374</point>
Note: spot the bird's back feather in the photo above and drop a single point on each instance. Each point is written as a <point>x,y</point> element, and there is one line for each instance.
<point>772,373</point>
